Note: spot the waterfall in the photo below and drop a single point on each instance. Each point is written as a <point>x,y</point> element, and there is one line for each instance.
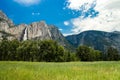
<point>25,35</point>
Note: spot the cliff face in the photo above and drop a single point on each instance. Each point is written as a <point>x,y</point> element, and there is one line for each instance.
<point>58,36</point>
<point>5,20</point>
<point>5,25</point>
<point>34,31</point>
<point>38,30</point>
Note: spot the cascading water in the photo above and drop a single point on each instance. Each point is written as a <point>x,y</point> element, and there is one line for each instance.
<point>25,35</point>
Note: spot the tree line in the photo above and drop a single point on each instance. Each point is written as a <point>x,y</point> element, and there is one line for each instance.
<point>46,50</point>
<point>86,53</point>
<point>51,51</point>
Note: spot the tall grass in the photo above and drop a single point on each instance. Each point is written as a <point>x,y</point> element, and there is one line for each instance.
<point>60,71</point>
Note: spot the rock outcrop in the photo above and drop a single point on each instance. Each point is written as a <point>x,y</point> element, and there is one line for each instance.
<point>5,25</point>
<point>36,30</point>
<point>58,36</point>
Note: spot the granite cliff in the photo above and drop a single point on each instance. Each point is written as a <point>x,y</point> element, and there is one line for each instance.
<point>34,31</point>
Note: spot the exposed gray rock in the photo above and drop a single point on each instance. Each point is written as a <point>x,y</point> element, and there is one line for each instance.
<point>3,16</point>
<point>38,30</point>
<point>58,36</point>
<point>5,25</point>
<point>18,31</point>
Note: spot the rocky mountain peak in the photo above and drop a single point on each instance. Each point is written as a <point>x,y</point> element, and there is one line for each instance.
<point>40,24</point>
<point>5,19</point>
<point>3,16</point>
<point>38,30</point>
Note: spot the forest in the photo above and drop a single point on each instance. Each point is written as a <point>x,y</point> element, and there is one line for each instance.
<point>51,51</point>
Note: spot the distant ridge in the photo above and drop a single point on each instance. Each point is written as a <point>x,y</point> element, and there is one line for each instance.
<point>99,40</point>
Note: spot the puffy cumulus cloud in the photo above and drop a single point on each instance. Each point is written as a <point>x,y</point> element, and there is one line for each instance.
<point>108,18</point>
<point>27,2</point>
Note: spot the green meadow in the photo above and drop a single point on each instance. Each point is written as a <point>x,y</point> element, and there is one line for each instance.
<point>59,71</point>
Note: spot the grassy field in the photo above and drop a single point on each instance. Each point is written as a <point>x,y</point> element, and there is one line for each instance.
<point>60,71</point>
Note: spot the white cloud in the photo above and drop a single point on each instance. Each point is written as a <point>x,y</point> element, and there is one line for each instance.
<point>67,34</point>
<point>35,13</point>
<point>66,23</point>
<point>27,2</point>
<point>107,20</point>
<point>77,4</point>
<point>60,29</point>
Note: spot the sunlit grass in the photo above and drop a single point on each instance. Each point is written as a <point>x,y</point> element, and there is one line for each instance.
<point>60,71</point>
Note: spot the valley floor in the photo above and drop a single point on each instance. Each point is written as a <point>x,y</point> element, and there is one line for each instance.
<point>59,71</point>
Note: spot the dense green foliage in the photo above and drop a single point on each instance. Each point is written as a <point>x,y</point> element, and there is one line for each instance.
<point>112,54</point>
<point>46,50</point>
<point>88,54</point>
<point>50,51</point>
<point>60,71</point>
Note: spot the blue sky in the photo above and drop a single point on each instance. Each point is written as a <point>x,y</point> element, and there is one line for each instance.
<point>70,16</point>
